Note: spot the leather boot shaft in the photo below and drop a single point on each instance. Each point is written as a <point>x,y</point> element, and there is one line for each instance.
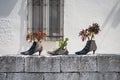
<point>90,46</point>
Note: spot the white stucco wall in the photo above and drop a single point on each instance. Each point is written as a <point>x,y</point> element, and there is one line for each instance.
<point>12,24</point>
<point>78,14</point>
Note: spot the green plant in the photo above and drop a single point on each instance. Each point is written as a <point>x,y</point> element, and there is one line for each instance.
<point>63,43</point>
<point>90,32</point>
<point>62,50</point>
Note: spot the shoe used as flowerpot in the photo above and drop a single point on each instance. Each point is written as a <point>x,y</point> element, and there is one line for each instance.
<point>59,51</point>
<point>36,47</point>
<point>62,50</point>
<point>90,46</point>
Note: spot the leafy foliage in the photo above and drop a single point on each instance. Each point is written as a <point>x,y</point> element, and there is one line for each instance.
<point>89,32</point>
<point>63,44</point>
<point>37,36</point>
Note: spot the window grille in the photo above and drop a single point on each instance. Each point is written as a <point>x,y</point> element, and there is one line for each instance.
<point>46,16</point>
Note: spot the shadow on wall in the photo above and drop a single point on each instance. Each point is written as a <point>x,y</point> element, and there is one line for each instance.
<point>114,16</point>
<point>6,7</point>
<point>113,20</point>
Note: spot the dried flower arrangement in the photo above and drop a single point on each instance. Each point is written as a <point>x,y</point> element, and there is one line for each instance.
<point>36,46</point>
<point>90,32</point>
<point>37,36</point>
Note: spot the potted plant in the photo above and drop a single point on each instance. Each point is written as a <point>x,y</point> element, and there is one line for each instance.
<point>89,34</point>
<point>36,38</point>
<point>62,50</point>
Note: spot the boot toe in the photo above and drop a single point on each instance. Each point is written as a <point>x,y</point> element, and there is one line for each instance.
<point>77,53</point>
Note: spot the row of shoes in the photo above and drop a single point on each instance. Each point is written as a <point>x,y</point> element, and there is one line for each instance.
<point>37,47</point>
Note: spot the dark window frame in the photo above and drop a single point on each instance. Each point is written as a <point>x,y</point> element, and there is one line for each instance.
<point>51,21</point>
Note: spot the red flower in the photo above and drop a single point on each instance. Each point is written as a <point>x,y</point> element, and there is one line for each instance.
<point>36,36</point>
<point>90,32</point>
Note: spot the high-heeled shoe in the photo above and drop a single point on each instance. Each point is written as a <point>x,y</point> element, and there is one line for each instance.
<point>36,47</point>
<point>90,46</point>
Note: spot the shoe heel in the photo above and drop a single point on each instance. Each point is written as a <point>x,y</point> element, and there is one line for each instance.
<point>39,53</point>
<point>40,50</point>
<point>93,51</point>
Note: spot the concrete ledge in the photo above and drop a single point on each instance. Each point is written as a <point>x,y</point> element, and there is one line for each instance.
<point>67,67</point>
<point>12,64</point>
<point>42,64</point>
<point>78,63</point>
<point>108,63</point>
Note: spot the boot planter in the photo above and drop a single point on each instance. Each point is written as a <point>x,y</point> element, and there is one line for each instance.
<point>62,50</point>
<point>36,38</point>
<point>36,47</point>
<point>89,34</point>
<point>90,46</point>
<point>59,52</point>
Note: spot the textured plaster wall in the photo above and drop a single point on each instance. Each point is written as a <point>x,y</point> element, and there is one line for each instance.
<point>12,25</point>
<point>79,14</point>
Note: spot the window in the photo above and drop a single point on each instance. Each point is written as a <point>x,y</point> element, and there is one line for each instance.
<point>46,16</point>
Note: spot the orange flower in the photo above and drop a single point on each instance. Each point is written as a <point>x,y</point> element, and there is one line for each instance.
<point>36,36</point>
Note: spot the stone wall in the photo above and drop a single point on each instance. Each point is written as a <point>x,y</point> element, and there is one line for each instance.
<point>72,67</point>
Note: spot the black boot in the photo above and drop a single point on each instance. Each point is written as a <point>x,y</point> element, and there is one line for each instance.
<point>90,46</point>
<point>36,47</point>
